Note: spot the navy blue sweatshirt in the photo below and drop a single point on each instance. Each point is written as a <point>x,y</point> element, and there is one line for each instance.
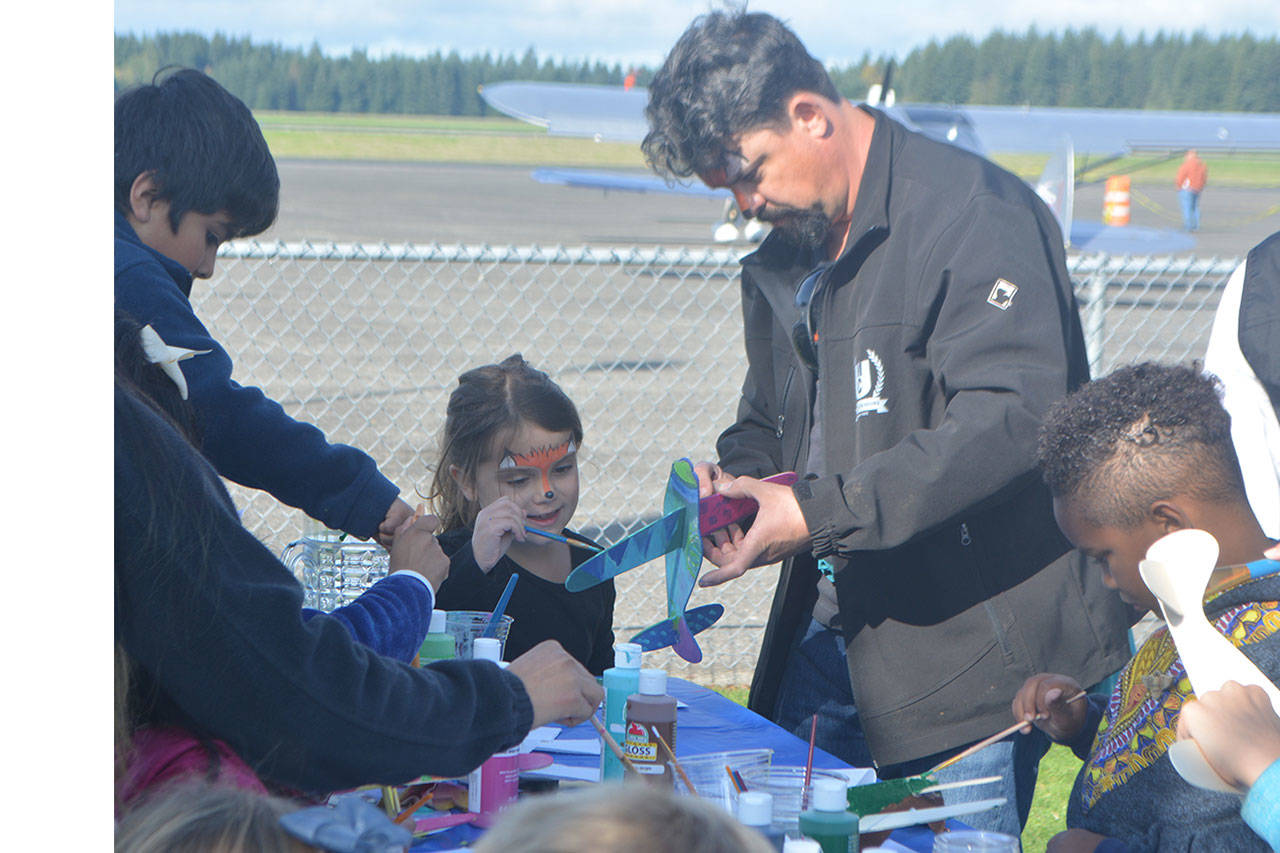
<point>212,623</point>
<point>246,435</point>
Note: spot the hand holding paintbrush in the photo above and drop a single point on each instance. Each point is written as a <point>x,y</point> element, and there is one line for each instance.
<point>1050,703</point>
<point>1004,733</point>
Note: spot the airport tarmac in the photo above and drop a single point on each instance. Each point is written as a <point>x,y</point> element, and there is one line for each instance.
<point>372,202</point>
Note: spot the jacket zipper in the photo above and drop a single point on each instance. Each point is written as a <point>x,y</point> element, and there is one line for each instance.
<point>965,539</point>
<point>782,407</point>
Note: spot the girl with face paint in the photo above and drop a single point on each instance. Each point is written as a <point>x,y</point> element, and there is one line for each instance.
<point>509,465</point>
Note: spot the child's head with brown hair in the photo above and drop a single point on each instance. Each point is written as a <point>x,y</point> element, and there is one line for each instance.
<point>509,431</point>
<point>619,818</point>
<point>206,818</point>
<point>1139,454</point>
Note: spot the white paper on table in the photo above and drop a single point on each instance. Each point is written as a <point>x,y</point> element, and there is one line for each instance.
<point>537,737</point>
<point>854,775</point>
<point>547,739</point>
<point>577,746</point>
<point>566,771</point>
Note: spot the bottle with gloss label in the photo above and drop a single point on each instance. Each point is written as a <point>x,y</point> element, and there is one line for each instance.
<point>648,710</point>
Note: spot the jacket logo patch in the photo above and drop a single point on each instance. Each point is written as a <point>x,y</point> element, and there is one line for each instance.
<point>1002,294</point>
<point>868,385</point>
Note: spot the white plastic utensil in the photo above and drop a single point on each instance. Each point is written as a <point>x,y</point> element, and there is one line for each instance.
<point>1177,571</point>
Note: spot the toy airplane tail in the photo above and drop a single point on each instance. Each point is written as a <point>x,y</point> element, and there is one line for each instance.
<point>678,632</point>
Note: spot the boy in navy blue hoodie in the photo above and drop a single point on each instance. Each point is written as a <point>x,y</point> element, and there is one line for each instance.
<point>192,170</point>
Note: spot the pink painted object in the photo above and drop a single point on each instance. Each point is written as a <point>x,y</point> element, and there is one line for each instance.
<point>718,511</point>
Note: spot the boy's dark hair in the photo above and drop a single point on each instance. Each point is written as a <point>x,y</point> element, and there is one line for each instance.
<point>1144,433</point>
<point>730,72</point>
<point>203,147</point>
<point>488,402</point>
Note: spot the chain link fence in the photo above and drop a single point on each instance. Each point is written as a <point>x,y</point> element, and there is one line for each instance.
<point>367,341</point>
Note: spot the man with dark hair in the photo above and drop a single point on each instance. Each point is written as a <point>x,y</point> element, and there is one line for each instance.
<point>192,171</point>
<point>1129,459</point>
<point>908,322</point>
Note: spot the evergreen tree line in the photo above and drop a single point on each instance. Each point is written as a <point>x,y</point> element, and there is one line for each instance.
<point>1076,68</point>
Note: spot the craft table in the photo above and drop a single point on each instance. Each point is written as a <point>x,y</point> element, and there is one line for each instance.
<point>710,723</point>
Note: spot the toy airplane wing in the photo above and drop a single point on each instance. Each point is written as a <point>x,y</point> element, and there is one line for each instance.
<point>664,535</point>
<point>678,632</point>
<point>646,544</point>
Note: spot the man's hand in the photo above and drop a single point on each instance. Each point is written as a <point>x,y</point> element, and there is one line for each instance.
<point>559,688</point>
<point>1075,841</point>
<point>1237,730</point>
<point>720,545</point>
<point>396,515</point>
<point>497,525</point>
<point>416,549</point>
<point>778,531</point>
<point>1042,700</point>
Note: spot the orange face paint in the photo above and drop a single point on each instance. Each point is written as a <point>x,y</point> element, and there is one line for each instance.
<point>541,459</point>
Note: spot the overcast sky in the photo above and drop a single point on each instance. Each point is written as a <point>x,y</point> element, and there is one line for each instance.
<point>641,31</point>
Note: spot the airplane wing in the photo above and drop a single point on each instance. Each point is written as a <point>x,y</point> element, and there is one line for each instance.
<point>646,544</point>
<point>1109,131</point>
<point>573,109</point>
<point>679,632</point>
<point>639,182</point>
<point>612,112</point>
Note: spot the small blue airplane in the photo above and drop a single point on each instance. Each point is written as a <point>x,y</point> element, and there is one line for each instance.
<point>677,535</point>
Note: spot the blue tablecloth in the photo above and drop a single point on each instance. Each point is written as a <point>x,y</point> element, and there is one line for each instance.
<point>710,723</point>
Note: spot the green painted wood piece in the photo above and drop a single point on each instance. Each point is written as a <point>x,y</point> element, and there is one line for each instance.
<point>873,799</point>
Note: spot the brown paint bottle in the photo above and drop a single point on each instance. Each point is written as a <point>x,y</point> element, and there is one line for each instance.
<point>648,710</point>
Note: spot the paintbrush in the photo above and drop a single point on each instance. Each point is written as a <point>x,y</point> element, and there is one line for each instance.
<point>808,764</point>
<point>412,809</point>
<point>1000,735</point>
<point>558,538</point>
<point>613,744</point>
<point>671,756</point>
<point>491,627</point>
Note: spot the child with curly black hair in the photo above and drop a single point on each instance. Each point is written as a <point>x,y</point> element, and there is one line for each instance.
<point>1130,458</point>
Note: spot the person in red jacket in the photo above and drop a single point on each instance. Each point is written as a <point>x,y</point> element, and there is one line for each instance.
<point>1192,176</point>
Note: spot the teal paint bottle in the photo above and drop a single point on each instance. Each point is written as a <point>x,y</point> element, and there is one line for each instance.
<point>829,822</point>
<point>620,681</point>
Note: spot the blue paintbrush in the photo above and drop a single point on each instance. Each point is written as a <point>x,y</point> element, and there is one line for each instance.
<point>491,627</point>
<point>557,537</point>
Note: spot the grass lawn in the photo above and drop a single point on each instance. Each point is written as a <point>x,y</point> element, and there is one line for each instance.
<point>1049,808</point>
<point>501,140</point>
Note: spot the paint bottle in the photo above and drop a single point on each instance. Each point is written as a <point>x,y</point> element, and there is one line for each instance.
<point>651,709</point>
<point>620,681</point>
<point>829,822</point>
<point>755,809</point>
<point>438,644</point>
<point>493,786</point>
